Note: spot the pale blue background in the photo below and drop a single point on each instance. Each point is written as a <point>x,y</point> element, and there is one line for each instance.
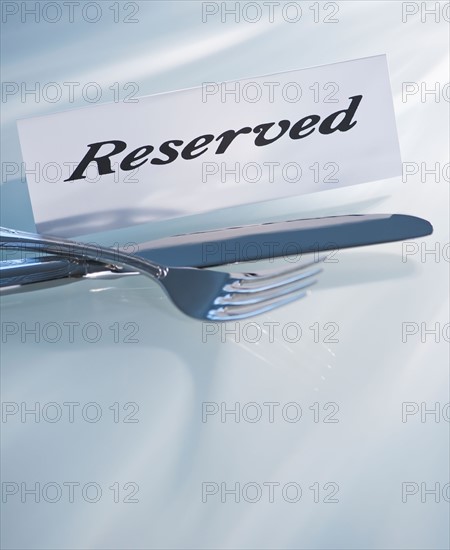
<point>369,293</point>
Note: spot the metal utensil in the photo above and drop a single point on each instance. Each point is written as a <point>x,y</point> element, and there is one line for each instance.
<point>199,293</point>
<point>236,244</point>
<point>281,239</point>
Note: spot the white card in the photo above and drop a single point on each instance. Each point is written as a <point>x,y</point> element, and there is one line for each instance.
<point>215,146</point>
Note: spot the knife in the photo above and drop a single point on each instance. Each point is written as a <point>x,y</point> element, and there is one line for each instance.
<point>277,239</point>
<point>235,244</point>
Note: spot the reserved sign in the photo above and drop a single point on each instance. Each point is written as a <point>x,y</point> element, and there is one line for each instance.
<point>215,146</point>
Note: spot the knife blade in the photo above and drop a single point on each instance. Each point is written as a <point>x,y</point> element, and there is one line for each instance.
<point>236,244</point>
<point>278,239</point>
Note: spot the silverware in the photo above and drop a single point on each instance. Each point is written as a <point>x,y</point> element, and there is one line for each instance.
<point>199,293</point>
<point>237,244</point>
<point>26,271</point>
<point>278,239</point>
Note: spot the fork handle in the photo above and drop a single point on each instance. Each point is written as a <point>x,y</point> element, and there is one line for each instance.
<point>37,270</point>
<point>13,239</point>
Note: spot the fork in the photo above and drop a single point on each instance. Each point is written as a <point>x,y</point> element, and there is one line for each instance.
<point>199,293</point>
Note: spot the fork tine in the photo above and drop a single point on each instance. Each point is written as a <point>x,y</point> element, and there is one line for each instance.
<point>240,298</point>
<point>269,274</point>
<point>246,296</point>
<point>227,313</point>
<point>193,291</point>
<point>275,281</point>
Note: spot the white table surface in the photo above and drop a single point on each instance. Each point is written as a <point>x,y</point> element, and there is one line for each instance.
<point>170,453</point>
